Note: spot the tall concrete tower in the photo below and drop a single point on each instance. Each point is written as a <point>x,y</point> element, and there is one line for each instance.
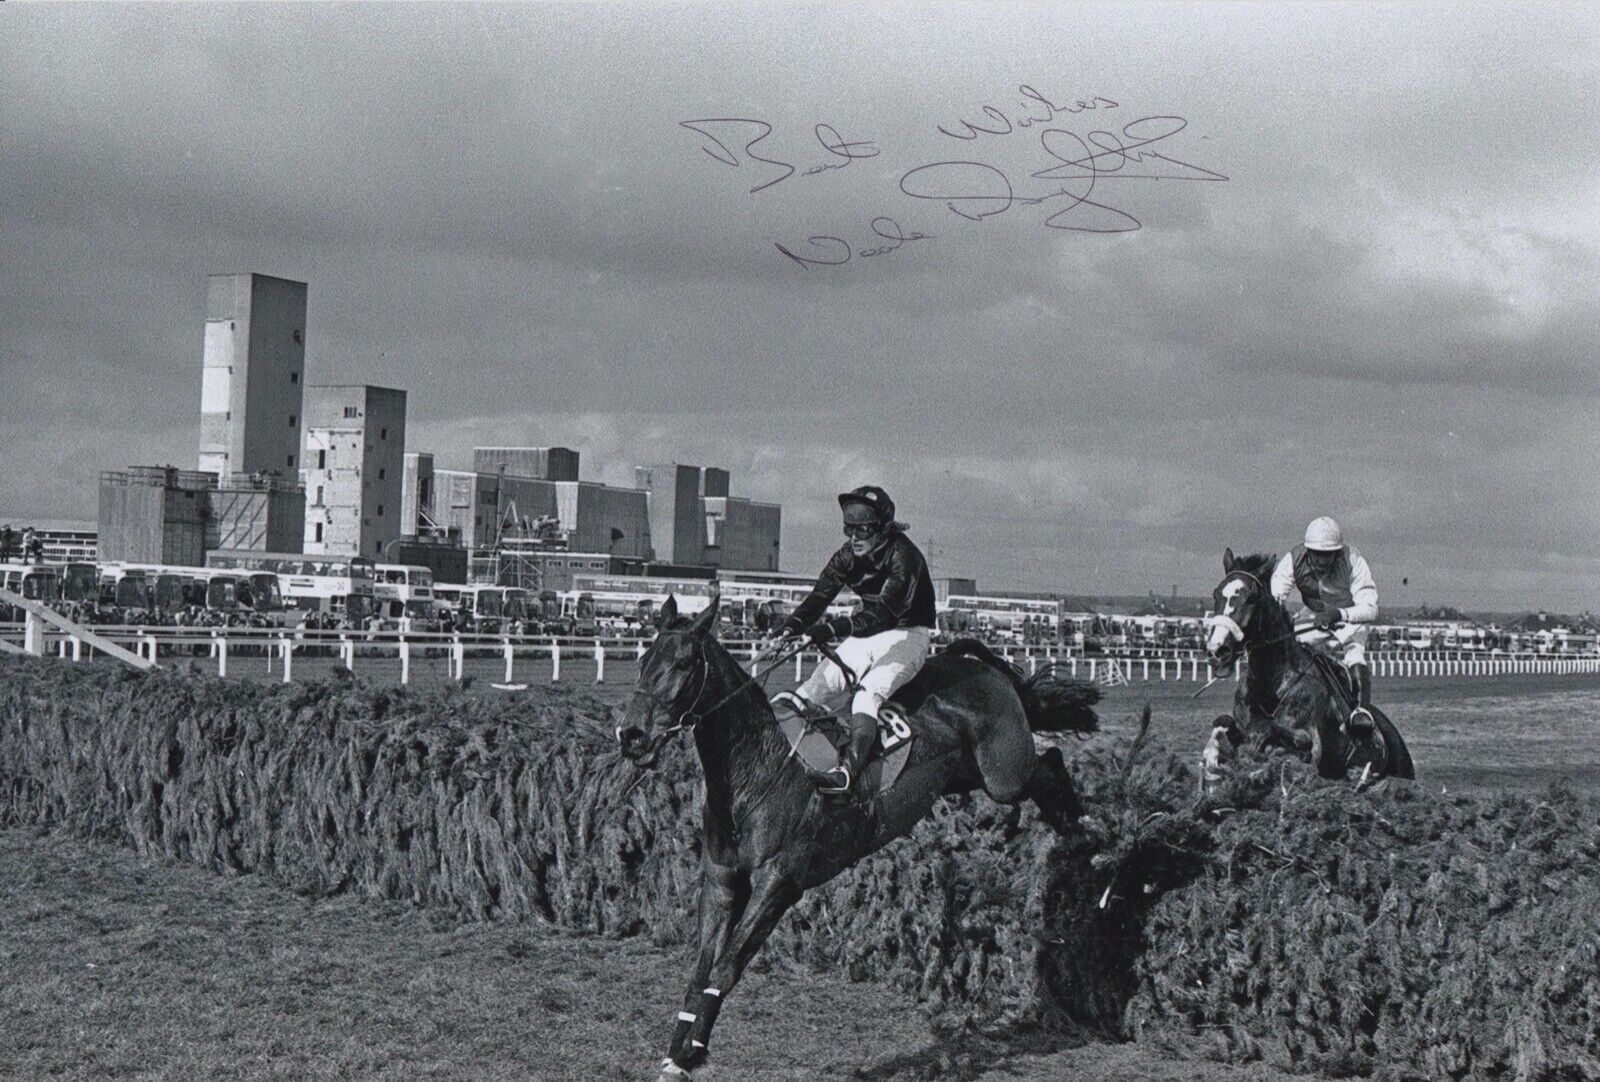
<point>252,375</point>
<point>354,465</point>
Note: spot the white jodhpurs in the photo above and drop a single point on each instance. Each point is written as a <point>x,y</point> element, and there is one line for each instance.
<point>1349,641</point>
<point>883,663</point>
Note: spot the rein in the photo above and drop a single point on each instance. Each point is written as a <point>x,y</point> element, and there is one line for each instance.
<point>1233,626</point>
<point>692,715</point>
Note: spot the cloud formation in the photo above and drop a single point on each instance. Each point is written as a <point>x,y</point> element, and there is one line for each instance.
<point>1386,311</point>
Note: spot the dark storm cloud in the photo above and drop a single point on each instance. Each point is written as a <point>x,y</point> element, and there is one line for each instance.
<point>1387,311</point>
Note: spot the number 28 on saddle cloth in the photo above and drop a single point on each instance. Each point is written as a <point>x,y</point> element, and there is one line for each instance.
<point>817,738</point>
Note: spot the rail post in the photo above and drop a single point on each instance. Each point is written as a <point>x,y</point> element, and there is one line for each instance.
<point>33,634</point>
<point>288,658</point>
<point>555,660</point>
<point>1074,667</point>
<point>347,651</point>
<point>458,658</point>
<point>77,648</point>
<point>599,663</point>
<point>1147,670</point>
<point>1091,670</point>
<point>1238,669</point>
<point>222,655</point>
<point>509,661</point>
<point>799,672</point>
<point>639,652</point>
<point>405,660</point>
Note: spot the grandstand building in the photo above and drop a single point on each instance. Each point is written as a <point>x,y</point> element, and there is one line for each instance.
<point>63,540</point>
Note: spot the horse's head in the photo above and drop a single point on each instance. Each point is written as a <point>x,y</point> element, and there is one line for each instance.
<point>1236,604</point>
<point>674,675</point>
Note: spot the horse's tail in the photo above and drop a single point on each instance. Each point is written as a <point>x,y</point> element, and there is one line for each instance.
<point>1053,703</point>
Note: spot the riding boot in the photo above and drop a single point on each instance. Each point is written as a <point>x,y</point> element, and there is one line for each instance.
<point>863,734</point>
<point>843,778</point>
<point>1361,717</point>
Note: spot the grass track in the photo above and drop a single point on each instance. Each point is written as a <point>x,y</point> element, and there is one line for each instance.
<point>120,968</point>
<point>113,967</point>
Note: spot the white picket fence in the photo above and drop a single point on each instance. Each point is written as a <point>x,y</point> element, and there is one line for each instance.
<point>278,649</point>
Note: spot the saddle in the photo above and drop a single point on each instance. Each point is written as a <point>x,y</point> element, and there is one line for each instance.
<point>818,737</point>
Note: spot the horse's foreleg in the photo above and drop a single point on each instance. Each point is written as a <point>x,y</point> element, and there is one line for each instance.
<point>1003,748</point>
<point>723,894</point>
<point>1219,749</point>
<point>770,898</point>
<point>1052,790</point>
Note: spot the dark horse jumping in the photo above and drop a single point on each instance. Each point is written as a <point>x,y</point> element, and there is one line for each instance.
<point>768,836</point>
<point>1290,689</point>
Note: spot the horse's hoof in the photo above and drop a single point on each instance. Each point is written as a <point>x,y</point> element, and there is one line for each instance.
<point>671,1072</point>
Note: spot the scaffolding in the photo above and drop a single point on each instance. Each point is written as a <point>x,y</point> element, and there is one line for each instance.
<point>519,542</point>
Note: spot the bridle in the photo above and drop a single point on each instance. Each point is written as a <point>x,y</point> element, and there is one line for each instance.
<point>691,717</point>
<point>1234,628</point>
<point>1239,632</point>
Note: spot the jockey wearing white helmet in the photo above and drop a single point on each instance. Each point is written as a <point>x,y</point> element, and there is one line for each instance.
<point>1336,585</point>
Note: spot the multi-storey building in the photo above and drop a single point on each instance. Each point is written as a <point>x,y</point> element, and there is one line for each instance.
<point>354,460</point>
<point>252,375</point>
<point>696,522</point>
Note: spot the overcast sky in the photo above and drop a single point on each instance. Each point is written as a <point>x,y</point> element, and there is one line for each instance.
<point>1353,271</point>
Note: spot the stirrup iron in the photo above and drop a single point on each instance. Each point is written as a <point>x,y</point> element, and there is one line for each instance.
<point>826,785</point>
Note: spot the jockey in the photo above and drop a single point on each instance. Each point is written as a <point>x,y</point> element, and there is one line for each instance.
<point>1336,586</point>
<point>886,642</point>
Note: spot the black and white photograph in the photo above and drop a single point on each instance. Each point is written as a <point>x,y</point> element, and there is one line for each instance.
<point>884,541</point>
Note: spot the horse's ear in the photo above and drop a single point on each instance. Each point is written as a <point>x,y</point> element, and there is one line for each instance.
<point>708,619</point>
<point>669,612</point>
<point>1227,560</point>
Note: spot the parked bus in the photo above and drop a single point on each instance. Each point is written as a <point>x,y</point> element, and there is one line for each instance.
<point>490,607</point>
<point>172,587</point>
<point>80,581</point>
<point>35,582</point>
<point>402,590</point>
<point>323,583</point>
<point>125,587</point>
<point>578,607</point>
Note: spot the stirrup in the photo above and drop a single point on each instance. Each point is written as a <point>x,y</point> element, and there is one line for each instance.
<point>826,783</point>
<point>1361,718</point>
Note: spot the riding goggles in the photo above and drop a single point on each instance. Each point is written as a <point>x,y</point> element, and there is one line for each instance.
<point>861,530</point>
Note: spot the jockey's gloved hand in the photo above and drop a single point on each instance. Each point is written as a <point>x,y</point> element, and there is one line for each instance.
<point>1327,620</point>
<point>825,631</point>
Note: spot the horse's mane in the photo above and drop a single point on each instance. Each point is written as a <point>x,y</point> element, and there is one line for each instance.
<point>1260,565</point>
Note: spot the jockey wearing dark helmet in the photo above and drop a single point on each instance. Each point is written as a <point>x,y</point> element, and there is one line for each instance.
<point>1336,584</point>
<point>887,641</point>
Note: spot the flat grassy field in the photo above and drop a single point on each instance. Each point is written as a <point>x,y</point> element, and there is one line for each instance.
<point>116,967</point>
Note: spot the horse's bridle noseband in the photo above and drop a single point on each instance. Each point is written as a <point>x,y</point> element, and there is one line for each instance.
<point>689,718</point>
<point>1228,622</point>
